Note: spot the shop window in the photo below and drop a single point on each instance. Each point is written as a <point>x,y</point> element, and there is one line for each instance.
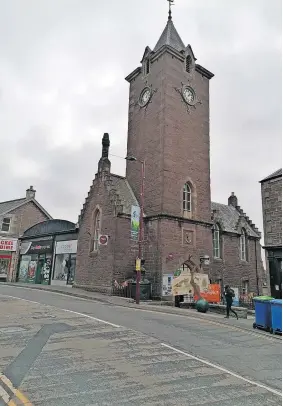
<point>6,223</point>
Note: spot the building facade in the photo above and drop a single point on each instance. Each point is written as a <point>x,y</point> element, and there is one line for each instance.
<point>168,134</point>
<point>271,193</point>
<point>48,253</point>
<point>15,217</point>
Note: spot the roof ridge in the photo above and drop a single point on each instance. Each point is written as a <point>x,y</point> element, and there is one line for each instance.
<point>13,200</point>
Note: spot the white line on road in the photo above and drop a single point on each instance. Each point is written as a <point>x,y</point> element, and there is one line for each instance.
<point>65,310</point>
<point>260,385</point>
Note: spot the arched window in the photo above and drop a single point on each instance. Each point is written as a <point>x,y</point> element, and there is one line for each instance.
<point>188,63</point>
<point>216,242</point>
<point>187,198</point>
<point>243,245</point>
<point>97,225</point>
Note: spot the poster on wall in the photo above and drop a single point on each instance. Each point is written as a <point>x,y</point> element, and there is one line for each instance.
<point>45,271</point>
<point>23,271</point>
<point>135,222</point>
<point>167,284</point>
<point>181,284</point>
<point>31,271</point>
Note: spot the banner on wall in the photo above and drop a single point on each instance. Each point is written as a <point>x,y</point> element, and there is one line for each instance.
<point>212,294</point>
<point>135,222</point>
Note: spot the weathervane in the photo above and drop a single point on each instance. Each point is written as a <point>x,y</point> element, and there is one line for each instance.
<point>171,3</point>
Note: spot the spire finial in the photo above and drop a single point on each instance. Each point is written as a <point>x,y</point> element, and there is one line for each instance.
<point>171,3</point>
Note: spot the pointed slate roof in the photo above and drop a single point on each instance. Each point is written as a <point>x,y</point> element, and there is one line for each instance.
<point>170,37</point>
<point>5,207</point>
<point>275,174</point>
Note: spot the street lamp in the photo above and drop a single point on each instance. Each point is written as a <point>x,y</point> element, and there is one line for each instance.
<point>132,158</point>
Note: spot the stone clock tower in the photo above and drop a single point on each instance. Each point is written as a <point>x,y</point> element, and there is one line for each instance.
<point>169,130</point>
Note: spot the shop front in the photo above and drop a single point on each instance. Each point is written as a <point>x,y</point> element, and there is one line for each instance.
<point>36,261</point>
<point>8,253</point>
<point>65,253</point>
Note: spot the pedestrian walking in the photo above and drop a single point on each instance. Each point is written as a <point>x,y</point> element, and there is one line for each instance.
<point>229,294</point>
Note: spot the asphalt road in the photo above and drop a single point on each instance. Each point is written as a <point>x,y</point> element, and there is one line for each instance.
<point>60,350</point>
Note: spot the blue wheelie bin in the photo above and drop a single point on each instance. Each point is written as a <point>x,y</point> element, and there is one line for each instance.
<point>262,312</point>
<point>276,316</point>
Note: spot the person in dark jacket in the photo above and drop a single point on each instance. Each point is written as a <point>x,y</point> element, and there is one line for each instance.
<point>229,294</point>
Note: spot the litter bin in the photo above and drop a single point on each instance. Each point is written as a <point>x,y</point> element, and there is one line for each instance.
<point>262,312</point>
<point>276,316</point>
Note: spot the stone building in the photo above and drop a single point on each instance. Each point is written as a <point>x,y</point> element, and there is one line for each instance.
<point>15,217</point>
<point>271,193</point>
<point>168,131</point>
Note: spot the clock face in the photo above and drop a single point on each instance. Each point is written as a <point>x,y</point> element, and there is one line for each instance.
<point>144,97</point>
<point>189,95</point>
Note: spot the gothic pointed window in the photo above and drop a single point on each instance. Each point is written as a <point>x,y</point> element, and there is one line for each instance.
<point>188,63</point>
<point>243,245</point>
<point>216,242</point>
<point>97,226</point>
<point>187,198</point>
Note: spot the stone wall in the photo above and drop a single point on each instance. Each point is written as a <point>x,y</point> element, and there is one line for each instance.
<point>271,192</point>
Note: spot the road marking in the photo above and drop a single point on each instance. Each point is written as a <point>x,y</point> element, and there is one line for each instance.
<point>65,310</point>
<point>15,391</point>
<point>4,395</point>
<point>251,333</point>
<point>91,317</point>
<point>260,385</point>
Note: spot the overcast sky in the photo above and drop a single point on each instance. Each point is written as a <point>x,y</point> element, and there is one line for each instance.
<point>62,69</point>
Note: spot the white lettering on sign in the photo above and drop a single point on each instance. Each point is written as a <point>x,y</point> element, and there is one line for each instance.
<point>8,245</point>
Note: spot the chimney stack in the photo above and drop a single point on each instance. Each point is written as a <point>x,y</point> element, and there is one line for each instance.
<point>30,193</point>
<point>233,201</point>
<point>104,164</point>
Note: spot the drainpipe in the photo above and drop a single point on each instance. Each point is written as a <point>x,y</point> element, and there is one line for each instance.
<point>256,269</point>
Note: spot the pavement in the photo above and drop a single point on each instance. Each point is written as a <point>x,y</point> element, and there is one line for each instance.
<point>59,349</point>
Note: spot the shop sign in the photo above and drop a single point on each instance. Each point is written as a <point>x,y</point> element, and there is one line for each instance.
<point>66,247</point>
<point>8,244</point>
<point>36,247</point>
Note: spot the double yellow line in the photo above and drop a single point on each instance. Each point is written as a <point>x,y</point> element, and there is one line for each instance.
<point>17,395</point>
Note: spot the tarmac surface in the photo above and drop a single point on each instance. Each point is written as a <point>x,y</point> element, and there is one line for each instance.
<point>57,349</point>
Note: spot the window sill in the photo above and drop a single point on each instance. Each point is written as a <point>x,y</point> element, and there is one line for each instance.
<point>187,214</point>
<point>217,259</point>
<point>93,253</point>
